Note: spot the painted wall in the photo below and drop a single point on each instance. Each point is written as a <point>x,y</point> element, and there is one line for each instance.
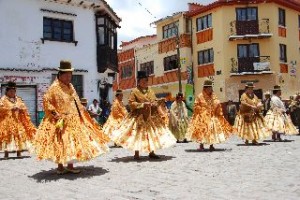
<point>21,45</point>
<point>226,86</point>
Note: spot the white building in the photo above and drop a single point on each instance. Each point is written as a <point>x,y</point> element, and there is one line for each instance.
<point>36,34</point>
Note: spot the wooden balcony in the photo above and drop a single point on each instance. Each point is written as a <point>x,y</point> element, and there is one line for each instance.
<point>243,30</point>
<point>106,59</point>
<point>250,65</point>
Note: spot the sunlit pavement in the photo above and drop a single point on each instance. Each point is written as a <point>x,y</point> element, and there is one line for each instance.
<point>234,171</point>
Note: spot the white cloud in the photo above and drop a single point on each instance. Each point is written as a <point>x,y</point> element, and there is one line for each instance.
<point>138,14</point>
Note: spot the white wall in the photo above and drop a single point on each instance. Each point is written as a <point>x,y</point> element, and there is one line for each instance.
<point>21,23</point>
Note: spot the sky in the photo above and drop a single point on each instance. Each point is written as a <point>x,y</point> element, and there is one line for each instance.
<point>137,15</point>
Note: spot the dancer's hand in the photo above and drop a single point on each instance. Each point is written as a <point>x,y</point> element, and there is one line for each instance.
<point>147,104</point>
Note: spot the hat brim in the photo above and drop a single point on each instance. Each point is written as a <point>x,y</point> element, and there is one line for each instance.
<point>66,70</point>
<point>250,86</point>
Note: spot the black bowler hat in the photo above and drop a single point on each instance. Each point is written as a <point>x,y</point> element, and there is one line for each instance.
<point>119,92</point>
<point>179,95</point>
<point>11,85</point>
<point>141,74</point>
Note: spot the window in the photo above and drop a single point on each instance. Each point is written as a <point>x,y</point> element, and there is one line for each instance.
<point>148,67</point>
<point>106,32</point>
<point>170,30</point>
<point>170,63</point>
<point>126,72</point>
<point>281,21</point>
<point>282,48</point>
<point>77,82</point>
<point>204,22</point>
<point>205,56</point>
<point>246,14</point>
<point>248,50</point>
<point>58,30</point>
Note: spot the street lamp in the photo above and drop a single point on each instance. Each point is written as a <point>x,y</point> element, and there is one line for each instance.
<point>178,59</point>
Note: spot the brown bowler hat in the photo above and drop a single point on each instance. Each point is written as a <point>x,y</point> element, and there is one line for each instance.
<point>208,83</point>
<point>276,88</point>
<point>65,66</point>
<point>83,100</point>
<point>249,85</point>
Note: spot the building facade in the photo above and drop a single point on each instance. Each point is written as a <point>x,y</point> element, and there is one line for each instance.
<point>36,34</point>
<point>157,54</point>
<point>240,41</point>
<point>230,42</point>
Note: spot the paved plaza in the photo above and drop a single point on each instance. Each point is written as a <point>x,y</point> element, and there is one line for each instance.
<point>233,171</point>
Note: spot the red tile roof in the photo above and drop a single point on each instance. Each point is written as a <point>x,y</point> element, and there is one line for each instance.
<point>293,4</point>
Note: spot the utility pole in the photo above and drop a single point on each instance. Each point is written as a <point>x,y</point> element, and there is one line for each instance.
<point>178,58</point>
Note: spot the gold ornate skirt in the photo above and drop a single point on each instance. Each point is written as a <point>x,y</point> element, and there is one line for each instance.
<point>280,122</point>
<point>254,130</point>
<point>179,129</point>
<point>110,125</point>
<point>15,136</point>
<point>138,134</point>
<point>207,130</point>
<point>77,142</point>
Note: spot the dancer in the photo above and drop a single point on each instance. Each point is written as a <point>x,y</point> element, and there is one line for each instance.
<point>249,122</point>
<point>276,119</point>
<point>179,118</point>
<point>143,130</point>
<point>118,113</point>
<point>16,128</point>
<point>67,133</point>
<point>208,125</point>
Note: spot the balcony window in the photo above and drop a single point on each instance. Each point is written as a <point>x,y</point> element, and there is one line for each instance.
<point>106,36</point>
<point>246,21</point>
<point>170,63</point>
<point>281,20</point>
<point>204,22</point>
<point>248,54</point>
<point>248,50</point>
<point>106,32</point>
<point>282,48</point>
<point>57,30</point>
<point>246,14</point>
<point>170,30</point>
<point>205,56</point>
<point>148,67</point>
<point>126,72</point>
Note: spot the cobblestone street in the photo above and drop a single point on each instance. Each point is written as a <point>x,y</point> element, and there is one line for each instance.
<point>233,171</point>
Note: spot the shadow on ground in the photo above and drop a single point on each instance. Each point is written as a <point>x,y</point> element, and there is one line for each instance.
<point>86,172</point>
<point>142,159</point>
<point>253,145</point>
<point>279,141</point>
<point>206,150</point>
<point>14,158</point>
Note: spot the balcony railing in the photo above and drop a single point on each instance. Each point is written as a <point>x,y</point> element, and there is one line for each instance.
<point>251,65</point>
<point>250,29</point>
<point>107,58</point>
